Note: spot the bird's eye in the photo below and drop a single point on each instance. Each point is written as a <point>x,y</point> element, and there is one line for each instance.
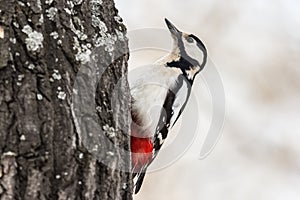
<point>189,39</point>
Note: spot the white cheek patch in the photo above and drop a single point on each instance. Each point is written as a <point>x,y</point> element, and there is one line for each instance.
<point>191,72</point>
<point>194,51</point>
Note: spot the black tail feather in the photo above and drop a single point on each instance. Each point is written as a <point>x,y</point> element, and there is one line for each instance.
<point>139,182</point>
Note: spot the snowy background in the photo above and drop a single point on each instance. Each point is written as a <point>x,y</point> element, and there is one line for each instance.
<point>255,46</point>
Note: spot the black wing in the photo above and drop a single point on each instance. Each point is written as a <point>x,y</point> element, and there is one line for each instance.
<point>174,104</point>
<point>140,179</point>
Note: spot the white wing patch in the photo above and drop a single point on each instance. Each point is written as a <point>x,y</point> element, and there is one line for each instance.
<point>180,101</point>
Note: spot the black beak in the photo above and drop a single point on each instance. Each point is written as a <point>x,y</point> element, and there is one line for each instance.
<point>174,31</point>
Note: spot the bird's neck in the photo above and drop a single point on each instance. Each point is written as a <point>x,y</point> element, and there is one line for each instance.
<point>173,56</point>
<point>174,60</point>
<point>188,70</point>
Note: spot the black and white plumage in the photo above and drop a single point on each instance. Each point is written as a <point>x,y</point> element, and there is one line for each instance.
<point>160,93</point>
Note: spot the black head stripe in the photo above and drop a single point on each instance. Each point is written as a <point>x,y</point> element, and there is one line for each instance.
<point>199,42</point>
<point>185,57</point>
<point>202,47</point>
<point>183,65</point>
<point>186,62</point>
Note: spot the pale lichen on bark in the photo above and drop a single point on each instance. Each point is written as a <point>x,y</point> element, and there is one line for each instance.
<point>34,41</point>
<point>7,175</point>
<point>45,44</point>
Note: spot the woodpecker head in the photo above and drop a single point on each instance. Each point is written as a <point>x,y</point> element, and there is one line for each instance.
<point>189,53</point>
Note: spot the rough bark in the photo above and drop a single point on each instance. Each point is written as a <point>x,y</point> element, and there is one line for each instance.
<point>63,102</point>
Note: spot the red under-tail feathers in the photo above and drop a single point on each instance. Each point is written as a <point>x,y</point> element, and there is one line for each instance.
<point>141,149</point>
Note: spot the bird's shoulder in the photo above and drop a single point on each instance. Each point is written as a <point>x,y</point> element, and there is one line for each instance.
<point>153,74</point>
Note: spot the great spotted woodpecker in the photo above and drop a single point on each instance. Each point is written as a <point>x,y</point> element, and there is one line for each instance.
<point>159,95</point>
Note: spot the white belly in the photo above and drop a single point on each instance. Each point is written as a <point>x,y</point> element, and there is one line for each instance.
<point>149,86</point>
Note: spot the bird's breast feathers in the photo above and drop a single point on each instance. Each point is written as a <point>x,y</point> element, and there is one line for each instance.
<point>149,87</point>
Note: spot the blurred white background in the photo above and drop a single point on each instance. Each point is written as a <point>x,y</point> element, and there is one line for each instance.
<point>256,48</point>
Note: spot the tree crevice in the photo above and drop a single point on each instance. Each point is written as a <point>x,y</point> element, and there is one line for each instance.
<point>44,152</point>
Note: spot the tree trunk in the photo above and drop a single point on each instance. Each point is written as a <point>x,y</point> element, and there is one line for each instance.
<point>64,106</point>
